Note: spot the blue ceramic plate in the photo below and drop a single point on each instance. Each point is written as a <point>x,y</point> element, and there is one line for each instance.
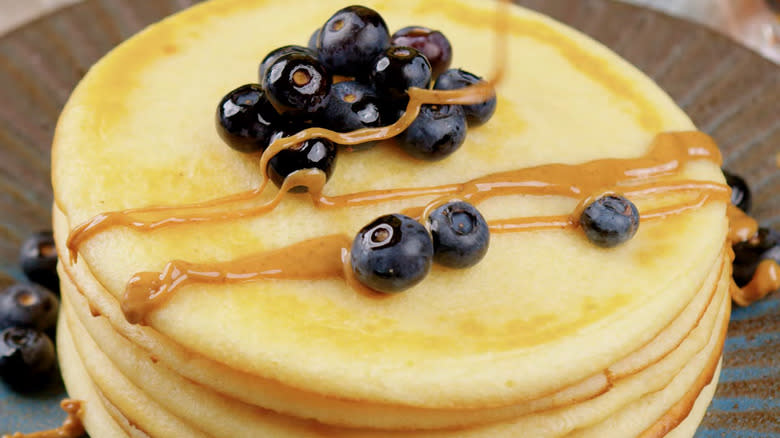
<point>730,92</point>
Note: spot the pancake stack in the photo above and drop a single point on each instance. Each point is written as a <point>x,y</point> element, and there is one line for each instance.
<point>549,335</point>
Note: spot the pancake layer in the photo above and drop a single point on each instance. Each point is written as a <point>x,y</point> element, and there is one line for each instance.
<point>189,405</point>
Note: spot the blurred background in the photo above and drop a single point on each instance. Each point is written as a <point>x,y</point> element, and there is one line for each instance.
<point>754,23</point>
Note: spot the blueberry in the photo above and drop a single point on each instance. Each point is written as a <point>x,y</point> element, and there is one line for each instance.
<point>396,70</point>
<point>610,220</point>
<point>38,258</point>
<point>316,153</point>
<point>352,106</point>
<point>392,253</point>
<point>740,192</point>
<point>455,79</point>
<point>245,119</point>
<point>27,357</point>
<point>747,255</point>
<point>273,55</point>
<point>431,43</point>
<point>438,131</point>
<point>392,111</point>
<point>28,305</point>
<point>297,84</point>
<point>460,235</point>
<point>351,39</point>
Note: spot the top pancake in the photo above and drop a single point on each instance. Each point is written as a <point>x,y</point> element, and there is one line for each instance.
<point>542,310</point>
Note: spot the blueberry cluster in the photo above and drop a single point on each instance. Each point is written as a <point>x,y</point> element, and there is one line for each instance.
<point>395,252</point>
<point>28,315</point>
<point>352,75</point>
<point>764,245</point>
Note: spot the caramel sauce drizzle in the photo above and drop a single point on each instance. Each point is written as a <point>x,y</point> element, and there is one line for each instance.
<point>741,226</point>
<point>329,255</point>
<point>766,279</point>
<point>72,427</point>
<point>324,253</point>
<point>668,153</point>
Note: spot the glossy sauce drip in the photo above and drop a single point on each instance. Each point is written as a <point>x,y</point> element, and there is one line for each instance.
<point>741,226</point>
<point>327,257</point>
<point>147,290</point>
<point>667,154</point>
<point>766,279</point>
<point>72,427</point>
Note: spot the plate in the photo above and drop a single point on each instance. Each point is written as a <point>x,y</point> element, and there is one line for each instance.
<point>730,92</point>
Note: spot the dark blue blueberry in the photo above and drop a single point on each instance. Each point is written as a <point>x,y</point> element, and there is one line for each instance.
<point>273,55</point>
<point>740,192</point>
<point>316,153</point>
<point>38,258</point>
<point>455,79</point>
<point>392,253</point>
<point>764,245</point>
<point>297,84</point>
<point>438,131</point>
<point>27,358</point>
<point>460,235</point>
<point>396,70</point>
<point>610,220</point>
<point>431,43</point>
<point>352,106</point>
<point>28,305</point>
<point>245,119</point>
<point>351,39</point>
<point>392,111</point>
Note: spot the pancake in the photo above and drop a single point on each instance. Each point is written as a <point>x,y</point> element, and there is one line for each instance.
<point>199,410</point>
<point>684,429</point>
<point>547,331</point>
<point>271,395</point>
